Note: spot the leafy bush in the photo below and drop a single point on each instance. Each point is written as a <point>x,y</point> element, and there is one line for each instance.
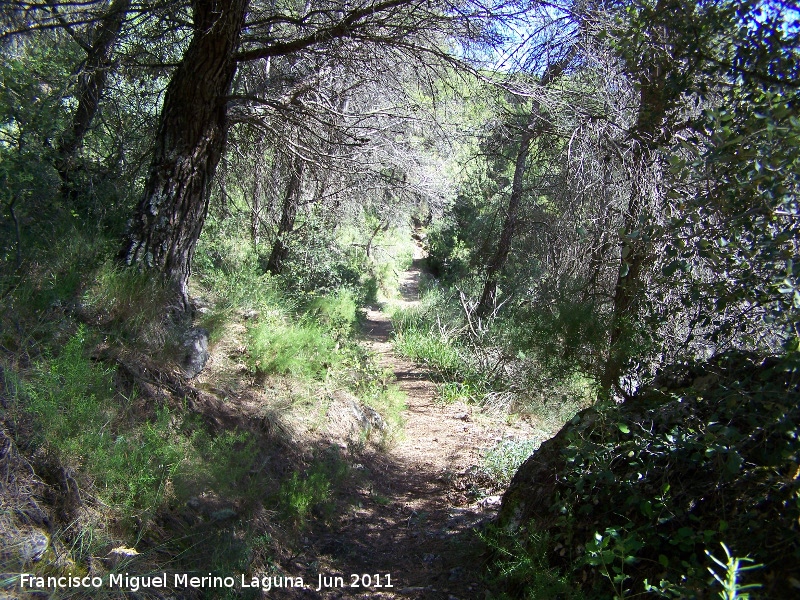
<point>300,494</point>
<point>706,455</point>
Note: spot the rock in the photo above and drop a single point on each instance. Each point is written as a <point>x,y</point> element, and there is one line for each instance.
<point>223,514</point>
<point>195,351</point>
<point>375,419</point>
<point>119,555</point>
<point>491,501</point>
<point>123,551</point>
<point>32,544</point>
<point>367,417</point>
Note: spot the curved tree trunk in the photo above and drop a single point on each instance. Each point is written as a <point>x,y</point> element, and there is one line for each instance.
<point>190,140</point>
<point>533,129</point>
<point>91,85</point>
<point>655,99</point>
<point>500,256</point>
<point>291,202</point>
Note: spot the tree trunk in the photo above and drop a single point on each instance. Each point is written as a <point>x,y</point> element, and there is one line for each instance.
<point>291,201</point>
<point>626,292</point>
<point>655,99</point>
<point>532,130</point>
<point>91,85</point>
<point>258,193</point>
<point>498,260</point>
<point>189,143</point>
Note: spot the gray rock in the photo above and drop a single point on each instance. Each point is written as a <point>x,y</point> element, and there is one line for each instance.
<point>374,418</point>
<point>456,574</point>
<point>195,351</point>
<point>223,514</point>
<point>491,501</point>
<point>367,417</point>
<point>32,545</point>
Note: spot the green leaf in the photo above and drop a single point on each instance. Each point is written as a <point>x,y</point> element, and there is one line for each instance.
<point>623,428</point>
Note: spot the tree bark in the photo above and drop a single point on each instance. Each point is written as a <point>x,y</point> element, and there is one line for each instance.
<point>258,193</point>
<point>655,99</point>
<point>189,143</point>
<point>291,202</point>
<point>500,256</point>
<point>91,85</point>
<point>533,129</point>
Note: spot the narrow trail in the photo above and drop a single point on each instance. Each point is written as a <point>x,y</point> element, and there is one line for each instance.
<point>421,498</point>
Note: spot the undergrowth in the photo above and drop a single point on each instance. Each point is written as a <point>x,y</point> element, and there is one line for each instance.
<point>502,460</point>
<point>132,463</point>
<point>521,569</point>
<point>495,362</point>
<point>644,492</point>
<point>312,491</point>
<point>126,461</point>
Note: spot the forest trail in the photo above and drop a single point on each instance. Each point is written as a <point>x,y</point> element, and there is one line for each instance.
<point>420,498</point>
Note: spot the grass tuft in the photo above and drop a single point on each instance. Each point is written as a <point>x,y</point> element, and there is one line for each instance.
<point>502,461</point>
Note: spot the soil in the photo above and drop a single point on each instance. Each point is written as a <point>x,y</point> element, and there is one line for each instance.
<point>420,502</point>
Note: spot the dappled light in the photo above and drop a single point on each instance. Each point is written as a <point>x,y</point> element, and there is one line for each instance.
<point>399,299</point>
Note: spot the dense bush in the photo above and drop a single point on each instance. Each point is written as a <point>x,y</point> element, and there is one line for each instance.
<point>630,497</point>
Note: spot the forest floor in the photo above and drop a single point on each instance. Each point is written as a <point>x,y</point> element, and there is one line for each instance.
<point>421,499</point>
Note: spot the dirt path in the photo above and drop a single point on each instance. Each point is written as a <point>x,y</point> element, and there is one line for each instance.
<point>419,500</point>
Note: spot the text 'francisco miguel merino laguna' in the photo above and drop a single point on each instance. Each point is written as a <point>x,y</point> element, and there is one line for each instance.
<point>135,583</point>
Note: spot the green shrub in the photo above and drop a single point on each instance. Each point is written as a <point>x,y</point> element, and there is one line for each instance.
<point>431,350</point>
<point>133,464</point>
<point>503,460</point>
<point>300,494</point>
<point>227,268</point>
<point>307,344</point>
<point>337,313</point>
<point>521,567</point>
<point>708,454</point>
<point>221,462</point>
<point>431,335</point>
<point>303,349</point>
<point>76,415</point>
